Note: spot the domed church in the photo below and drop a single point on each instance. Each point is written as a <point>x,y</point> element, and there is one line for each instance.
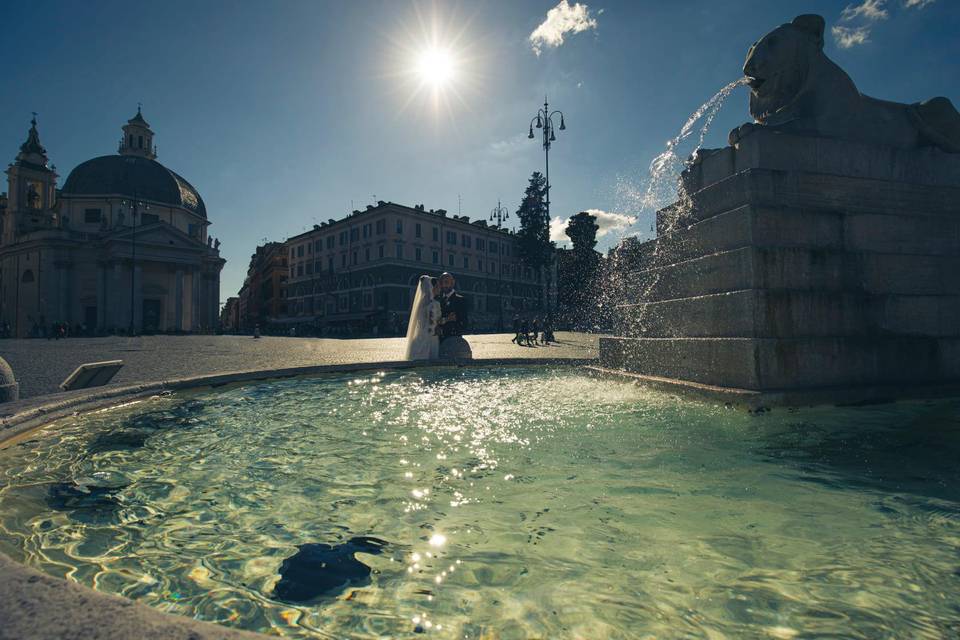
<point>122,247</point>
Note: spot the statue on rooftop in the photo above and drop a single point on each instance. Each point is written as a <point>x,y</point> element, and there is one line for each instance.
<point>795,87</point>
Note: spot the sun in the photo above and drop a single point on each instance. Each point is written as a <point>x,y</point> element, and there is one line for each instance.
<point>436,67</point>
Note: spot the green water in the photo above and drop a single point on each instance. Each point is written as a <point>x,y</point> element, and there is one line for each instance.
<point>516,503</point>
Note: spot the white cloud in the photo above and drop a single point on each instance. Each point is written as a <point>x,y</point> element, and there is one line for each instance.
<point>561,20</point>
<point>847,37</point>
<point>917,4</point>
<point>607,221</point>
<point>869,10</point>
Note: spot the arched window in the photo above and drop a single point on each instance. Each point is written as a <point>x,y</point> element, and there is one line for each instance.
<point>140,142</point>
<point>27,277</point>
<point>131,141</point>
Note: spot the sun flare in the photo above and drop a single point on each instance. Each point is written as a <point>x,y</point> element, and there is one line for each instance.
<point>435,66</point>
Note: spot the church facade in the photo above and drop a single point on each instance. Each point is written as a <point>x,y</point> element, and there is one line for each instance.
<point>122,247</point>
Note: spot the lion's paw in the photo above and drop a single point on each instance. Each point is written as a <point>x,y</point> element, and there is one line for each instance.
<point>739,133</point>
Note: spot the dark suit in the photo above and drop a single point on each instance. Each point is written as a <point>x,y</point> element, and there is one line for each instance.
<point>458,304</point>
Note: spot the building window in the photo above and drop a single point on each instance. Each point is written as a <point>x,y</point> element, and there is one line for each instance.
<point>318,267</point>
<point>417,231</point>
<point>343,238</point>
<point>436,234</point>
<point>419,253</point>
<point>436,257</point>
<point>450,259</point>
<point>354,235</point>
<point>465,240</point>
<point>309,268</point>
<point>380,251</point>
<point>399,226</point>
<point>479,264</point>
<point>493,246</point>
<point>300,269</point>
<point>366,254</point>
<point>140,142</point>
<point>381,226</point>
<point>330,242</point>
<point>466,262</point>
<point>354,257</point>
<point>367,231</point>
<point>299,252</point>
<point>452,237</point>
<point>343,260</point>
<point>481,244</point>
<point>399,250</point>
<point>316,246</point>
<point>330,265</point>
<point>91,215</point>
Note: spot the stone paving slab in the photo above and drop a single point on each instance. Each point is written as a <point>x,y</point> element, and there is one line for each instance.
<point>41,365</point>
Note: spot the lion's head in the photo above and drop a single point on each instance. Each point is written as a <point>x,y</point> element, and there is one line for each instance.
<point>777,63</point>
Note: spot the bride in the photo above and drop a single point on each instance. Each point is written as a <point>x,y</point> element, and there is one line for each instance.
<point>423,341</point>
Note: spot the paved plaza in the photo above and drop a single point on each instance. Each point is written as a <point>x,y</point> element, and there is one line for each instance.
<point>41,365</point>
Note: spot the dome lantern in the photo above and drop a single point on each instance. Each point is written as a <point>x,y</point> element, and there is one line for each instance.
<point>137,138</point>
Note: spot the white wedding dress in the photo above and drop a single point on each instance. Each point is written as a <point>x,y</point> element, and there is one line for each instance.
<point>423,343</point>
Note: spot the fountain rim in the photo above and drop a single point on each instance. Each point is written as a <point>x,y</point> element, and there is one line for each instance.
<point>34,413</point>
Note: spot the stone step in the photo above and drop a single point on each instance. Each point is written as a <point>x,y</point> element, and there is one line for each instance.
<point>764,226</point>
<point>794,268</point>
<point>790,314</point>
<point>809,191</point>
<point>744,226</point>
<point>764,364</point>
<point>782,151</point>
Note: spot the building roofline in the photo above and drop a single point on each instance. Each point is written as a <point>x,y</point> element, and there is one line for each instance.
<point>380,207</point>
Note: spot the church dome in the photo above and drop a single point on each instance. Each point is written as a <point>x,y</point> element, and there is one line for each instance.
<point>130,176</point>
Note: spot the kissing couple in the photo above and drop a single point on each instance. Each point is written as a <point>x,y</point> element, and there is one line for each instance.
<point>439,312</point>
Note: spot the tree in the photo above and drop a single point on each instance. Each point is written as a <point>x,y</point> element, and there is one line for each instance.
<point>580,269</point>
<point>536,249</point>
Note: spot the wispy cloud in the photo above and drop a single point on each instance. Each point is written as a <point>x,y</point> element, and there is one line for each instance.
<point>608,222</point>
<point>917,4</point>
<point>847,37</point>
<point>868,10</point>
<point>561,20</point>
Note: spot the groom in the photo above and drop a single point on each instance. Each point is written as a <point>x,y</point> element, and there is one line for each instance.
<point>453,308</point>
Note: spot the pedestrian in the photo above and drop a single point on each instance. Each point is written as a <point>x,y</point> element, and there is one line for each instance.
<point>537,328</point>
<point>516,330</point>
<point>525,332</point>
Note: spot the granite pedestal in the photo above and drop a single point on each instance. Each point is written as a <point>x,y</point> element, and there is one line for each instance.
<point>801,268</point>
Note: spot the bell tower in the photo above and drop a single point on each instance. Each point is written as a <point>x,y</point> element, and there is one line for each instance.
<point>137,138</point>
<point>31,189</point>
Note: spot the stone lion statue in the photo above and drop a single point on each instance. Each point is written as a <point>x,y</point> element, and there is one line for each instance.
<point>794,87</point>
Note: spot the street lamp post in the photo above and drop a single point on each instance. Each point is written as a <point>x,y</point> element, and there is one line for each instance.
<point>499,214</point>
<point>544,120</point>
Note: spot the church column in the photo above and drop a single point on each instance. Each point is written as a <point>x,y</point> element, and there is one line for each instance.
<point>63,291</point>
<point>214,302</point>
<point>138,298</point>
<point>101,297</point>
<point>117,297</point>
<point>195,300</point>
<point>178,301</point>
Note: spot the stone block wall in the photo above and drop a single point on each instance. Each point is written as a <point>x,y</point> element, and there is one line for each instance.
<point>800,263</point>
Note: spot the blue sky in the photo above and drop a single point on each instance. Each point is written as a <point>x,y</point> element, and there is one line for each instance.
<point>283,113</point>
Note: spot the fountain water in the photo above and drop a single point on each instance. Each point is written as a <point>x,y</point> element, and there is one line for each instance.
<point>662,186</point>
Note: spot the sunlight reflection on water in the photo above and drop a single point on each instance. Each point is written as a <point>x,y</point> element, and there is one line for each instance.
<point>510,503</point>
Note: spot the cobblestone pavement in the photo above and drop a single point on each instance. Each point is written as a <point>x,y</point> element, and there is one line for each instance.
<point>41,365</point>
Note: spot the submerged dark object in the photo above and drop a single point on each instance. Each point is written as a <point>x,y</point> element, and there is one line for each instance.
<point>85,502</point>
<point>319,570</point>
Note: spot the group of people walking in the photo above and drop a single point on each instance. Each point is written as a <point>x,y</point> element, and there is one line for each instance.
<point>530,333</point>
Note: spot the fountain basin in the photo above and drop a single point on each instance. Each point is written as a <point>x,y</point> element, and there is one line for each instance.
<point>521,502</point>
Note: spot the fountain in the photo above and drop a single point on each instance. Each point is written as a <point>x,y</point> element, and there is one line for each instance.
<point>812,260</point>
